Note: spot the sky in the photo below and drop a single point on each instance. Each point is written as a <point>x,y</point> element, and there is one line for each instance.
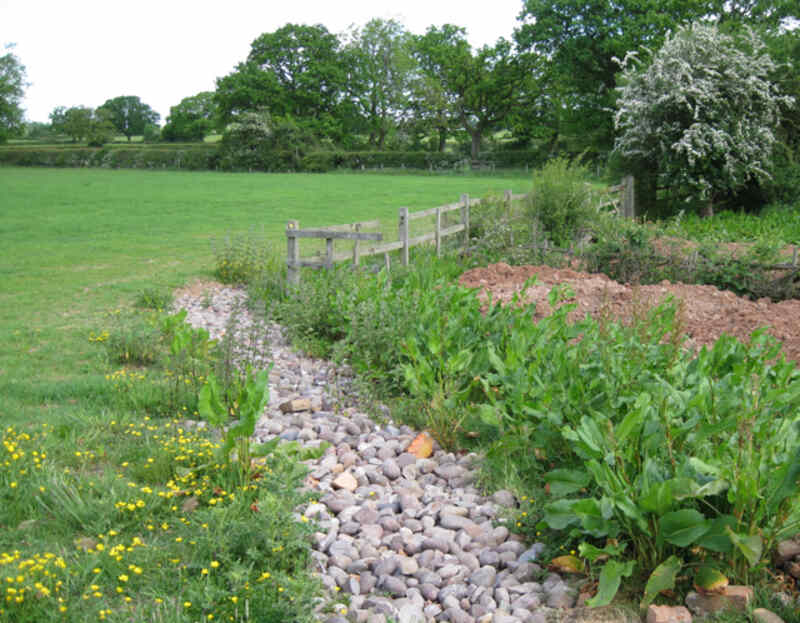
<point>84,52</point>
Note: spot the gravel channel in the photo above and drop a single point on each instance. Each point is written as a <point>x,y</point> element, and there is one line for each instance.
<point>399,538</point>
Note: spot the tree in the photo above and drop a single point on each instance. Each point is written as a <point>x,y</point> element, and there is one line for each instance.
<point>379,65</point>
<point>701,115</point>
<point>12,89</point>
<point>480,89</point>
<point>129,114</point>
<point>75,122</point>
<point>191,119</point>
<point>294,72</point>
<point>581,38</point>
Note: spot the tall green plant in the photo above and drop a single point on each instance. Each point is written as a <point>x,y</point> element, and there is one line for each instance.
<point>560,201</point>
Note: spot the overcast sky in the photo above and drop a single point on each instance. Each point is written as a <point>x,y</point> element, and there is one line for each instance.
<point>83,52</point>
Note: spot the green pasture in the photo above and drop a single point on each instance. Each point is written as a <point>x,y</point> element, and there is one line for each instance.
<point>77,243</point>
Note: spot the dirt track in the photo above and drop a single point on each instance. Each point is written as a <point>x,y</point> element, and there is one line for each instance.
<point>708,312</point>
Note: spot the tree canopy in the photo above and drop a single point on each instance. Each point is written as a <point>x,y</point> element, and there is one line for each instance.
<point>191,119</point>
<point>479,89</point>
<point>702,114</point>
<point>293,72</point>
<point>12,90</point>
<point>129,115</point>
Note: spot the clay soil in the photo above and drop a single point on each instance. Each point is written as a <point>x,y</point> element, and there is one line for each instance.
<point>708,312</point>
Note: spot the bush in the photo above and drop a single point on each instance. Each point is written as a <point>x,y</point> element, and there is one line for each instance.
<point>560,201</point>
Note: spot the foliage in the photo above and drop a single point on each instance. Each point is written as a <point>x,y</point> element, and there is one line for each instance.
<point>714,128</point>
<point>75,122</point>
<point>12,89</point>
<point>580,39</point>
<point>129,115</point>
<point>481,87</point>
<point>191,119</point>
<point>561,201</point>
<point>379,72</point>
<point>294,72</point>
<point>662,463</point>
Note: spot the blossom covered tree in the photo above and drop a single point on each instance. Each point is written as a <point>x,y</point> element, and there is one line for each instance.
<point>700,117</point>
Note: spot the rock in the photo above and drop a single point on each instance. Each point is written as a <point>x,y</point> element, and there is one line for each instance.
<point>668,614</point>
<point>484,576</point>
<point>457,615</point>
<point>408,565</point>
<point>762,615</point>
<point>561,597</point>
<point>504,498</point>
<point>393,585</point>
<point>531,554</point>
<point>732,597</point>
<point>336,503</point>
<point>410,613</point>
<point>345,481</point>
<point>786,551</point>
<point>455,522</point>
<point>391,469</point>
<point>296,405</point>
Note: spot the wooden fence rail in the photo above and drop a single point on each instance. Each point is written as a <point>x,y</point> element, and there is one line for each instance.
<point>360,239</point>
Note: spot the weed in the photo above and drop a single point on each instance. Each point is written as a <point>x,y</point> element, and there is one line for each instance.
<point>154,299</point>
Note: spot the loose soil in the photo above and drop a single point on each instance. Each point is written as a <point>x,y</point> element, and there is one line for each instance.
<point>708,312</point>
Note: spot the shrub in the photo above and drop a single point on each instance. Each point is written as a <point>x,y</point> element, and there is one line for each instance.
<point>560,201</point>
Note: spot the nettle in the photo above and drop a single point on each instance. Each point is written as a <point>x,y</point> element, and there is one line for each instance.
<point>702,113</point>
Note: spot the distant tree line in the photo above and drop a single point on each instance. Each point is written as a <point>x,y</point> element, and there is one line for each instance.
<point>559,88</point>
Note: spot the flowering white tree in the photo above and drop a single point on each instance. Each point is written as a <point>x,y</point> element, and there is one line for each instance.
<point>701,116</point>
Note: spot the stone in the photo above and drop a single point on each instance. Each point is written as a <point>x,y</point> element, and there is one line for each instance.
<point>296,405</point>
<point>787,550</point>
<point>668,614</point>
<point>391,469</point>
<point>345,481</point>
<point>410,613</point>
<point>393,585</point>
<point>337,502</point>
<point>484,576</point>
<point>533,553</point>
<point>762,615</point>
<point>455,522</point>
<point>504,498</point>
<point>408,565</point>
<point>732,597</point>
<point>457,615</point>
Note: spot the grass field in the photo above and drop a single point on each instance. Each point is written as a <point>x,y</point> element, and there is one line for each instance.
<point>94,519</point>
<point>79,242</point>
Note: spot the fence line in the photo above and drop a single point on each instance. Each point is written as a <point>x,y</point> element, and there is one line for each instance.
<point>353,233</point>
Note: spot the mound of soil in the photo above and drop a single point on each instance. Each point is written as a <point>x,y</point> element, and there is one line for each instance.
<point>708,312</point>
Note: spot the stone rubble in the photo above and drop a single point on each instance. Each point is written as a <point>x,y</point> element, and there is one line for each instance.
<point>406,539</point>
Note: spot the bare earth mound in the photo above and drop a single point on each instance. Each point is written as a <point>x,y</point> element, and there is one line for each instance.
<point>709,312</point>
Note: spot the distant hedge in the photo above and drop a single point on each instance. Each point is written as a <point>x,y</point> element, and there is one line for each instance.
<point>204,157</point>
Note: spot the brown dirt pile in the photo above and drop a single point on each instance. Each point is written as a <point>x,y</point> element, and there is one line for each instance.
<point>708,312</point>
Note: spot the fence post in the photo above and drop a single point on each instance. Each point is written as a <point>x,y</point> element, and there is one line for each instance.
<point>292,255</point>
<point>356,250</point>
<point>507,200</point>
<point>628,197</point>
<point>438,233</point>
<point>328,253</point>
<point>465,219</point>
<point>402,234</point>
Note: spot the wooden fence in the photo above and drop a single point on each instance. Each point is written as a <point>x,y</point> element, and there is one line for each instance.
<point>363,240</point>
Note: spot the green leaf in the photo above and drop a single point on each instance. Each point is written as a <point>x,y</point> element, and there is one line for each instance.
<point>593,553</point>
<point>717,539</point>
<point>593,518</point>
<point>565,481</point>
<point>632,422</point>
<point>559,514</point>
<point>683,527</point>
<point>709,579</point>
<point>750,545</point>
<point>787,477</point>
<point>662,579</point>
<point>208,404</point>
<point>658,499</point>
<point>610,577</point>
